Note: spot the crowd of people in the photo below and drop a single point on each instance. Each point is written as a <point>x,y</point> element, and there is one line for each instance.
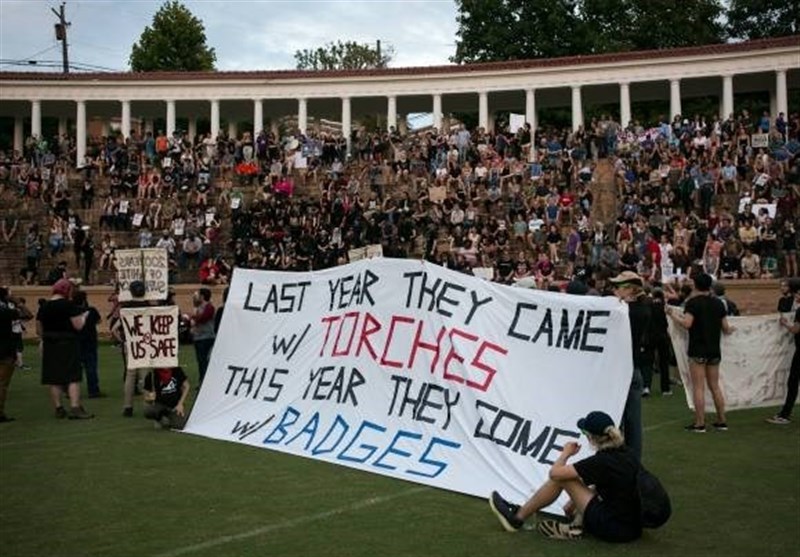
<point>513,205</point>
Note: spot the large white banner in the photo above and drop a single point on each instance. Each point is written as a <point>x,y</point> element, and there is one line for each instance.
<point>151,336</point>
<point>755,362</point>
<point>413,371</point>
<point>149,265</point>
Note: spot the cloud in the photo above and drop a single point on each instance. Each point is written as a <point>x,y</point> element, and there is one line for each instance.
<point>247,35</point>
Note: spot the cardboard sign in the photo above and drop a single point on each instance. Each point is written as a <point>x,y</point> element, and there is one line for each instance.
<point>150,265</point>
<point>151,336</point>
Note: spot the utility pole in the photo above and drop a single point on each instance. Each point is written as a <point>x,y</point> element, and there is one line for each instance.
<point>61,35</point>
<point>378,50</point>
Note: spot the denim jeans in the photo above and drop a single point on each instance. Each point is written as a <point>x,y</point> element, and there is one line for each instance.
<point>89,361</point>
<point>202,349</point>
<point>632,415</point>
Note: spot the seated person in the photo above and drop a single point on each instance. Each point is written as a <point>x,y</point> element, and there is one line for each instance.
<point>167,397</point>
<point>609,509</point>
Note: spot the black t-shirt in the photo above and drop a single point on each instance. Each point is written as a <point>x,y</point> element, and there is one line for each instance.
<point>8,346</point>
<point>55,316</point>
<point>706,329</point>
<point>168,386</point>
<point>89,332</point>
<point>797,335</point>
<point>613,473</point>
<point>640,314</point>
<point>785,303</point>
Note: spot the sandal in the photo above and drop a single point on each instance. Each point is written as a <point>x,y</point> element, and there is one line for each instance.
<point>559,530</point>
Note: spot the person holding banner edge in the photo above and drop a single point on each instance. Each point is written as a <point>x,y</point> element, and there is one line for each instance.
<point>783,417</point>
<point>705,317</point>
<point>604,500</point>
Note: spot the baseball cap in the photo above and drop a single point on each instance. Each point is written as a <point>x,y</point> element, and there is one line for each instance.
<point>595,423</point>
<point>627,277</point>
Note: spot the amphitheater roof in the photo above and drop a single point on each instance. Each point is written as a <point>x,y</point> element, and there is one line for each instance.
<point>510,65</point>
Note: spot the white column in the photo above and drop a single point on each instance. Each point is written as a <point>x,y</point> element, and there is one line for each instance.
<point>149,125</point>
<point>105,128</point>
<point>530,109</point>
<point>773,104</point>
<point>675,98</point>
<point>391,113</point>
<point>62,126</point>
<point>233,129</point>
<point>19,135</point>
<point>302,115</point>
<point>192,131</point>
<point>577,107</point>
<point>624,104</point>
<point>80,132</point>
<point>126,119</point>
<point>726,106</point>
<point>437,112</point>
<point>490,121</point>
<point>483,110</point>
<point>214,119</point>
<point>258,116</point>
<point>170,117</point>
<point>780,94</point>
<point>273,128</point>
<point>346,124</point>
<point>36,118</point>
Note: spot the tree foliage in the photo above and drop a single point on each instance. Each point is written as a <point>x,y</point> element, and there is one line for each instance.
<point>760,19</point>
<point>516,29</point>
<point>176,41</point>
<point>349,55</point>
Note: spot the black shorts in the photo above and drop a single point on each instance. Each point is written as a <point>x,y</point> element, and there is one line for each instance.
<point>599,523</point>
<point>705,361</point>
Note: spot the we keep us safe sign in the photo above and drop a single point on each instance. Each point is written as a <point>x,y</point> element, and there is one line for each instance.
<point>409,370</point>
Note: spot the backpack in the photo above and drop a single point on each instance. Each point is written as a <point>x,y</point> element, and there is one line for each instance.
<point>656,507</point>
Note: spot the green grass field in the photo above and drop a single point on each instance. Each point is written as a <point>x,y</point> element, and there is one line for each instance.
<point>115,486</point>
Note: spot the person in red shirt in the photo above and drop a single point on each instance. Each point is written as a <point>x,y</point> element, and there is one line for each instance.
<point>653,249</point>
<point>209,272</point>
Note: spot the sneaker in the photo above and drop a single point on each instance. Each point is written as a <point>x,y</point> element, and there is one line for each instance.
<point>695,428</point>
<point>127,412</point>
<point>645,392</point>
<point>777,419</point>
<point>720,426</point>
<point>98,394</point>
<point>559,530</point>
<point>505,512</point>
<point>61,413</point>
<point>666,393</point>
<point>5,419</point>
<point>78,413</point>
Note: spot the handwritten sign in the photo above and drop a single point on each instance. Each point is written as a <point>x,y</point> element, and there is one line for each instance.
<point>151,336</point>
<point>366,252</point>
<point>149,265</point>
<point>759,140</point>
<point>410,370</point>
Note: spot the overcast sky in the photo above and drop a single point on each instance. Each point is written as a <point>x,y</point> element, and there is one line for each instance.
<point>247,35</point>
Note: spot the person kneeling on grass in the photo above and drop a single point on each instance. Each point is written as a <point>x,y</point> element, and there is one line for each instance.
<point>166,390</point>
<point>604,499</point>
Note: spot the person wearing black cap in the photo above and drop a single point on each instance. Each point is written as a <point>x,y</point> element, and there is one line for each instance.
<point>784,416</point>
<point>610,509</point>
<point>705,317</point>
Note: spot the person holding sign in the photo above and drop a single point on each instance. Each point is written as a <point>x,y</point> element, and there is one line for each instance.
<point>166,390</point>
<point>705,317</point>
<point>610,509</point>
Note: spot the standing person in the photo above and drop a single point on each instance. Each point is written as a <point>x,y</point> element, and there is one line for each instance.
<point>202,329</point>
<point>9,313</point>
<point>167,388</point>
<point>629,287</point>
<point>784,416</point>
<point>58,322</point>
<point>786,301</point>
<point>88,344</point>
<point>660,341</point>
<point>705,317</point>
<point>602,489</point>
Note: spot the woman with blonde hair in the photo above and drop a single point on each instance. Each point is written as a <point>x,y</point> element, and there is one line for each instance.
<point>604,498</point>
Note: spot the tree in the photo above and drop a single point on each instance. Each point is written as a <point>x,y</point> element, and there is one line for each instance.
<point>176,41</point>
<point>760,19</point>
<point>516,29</point>
<point>343,56</point>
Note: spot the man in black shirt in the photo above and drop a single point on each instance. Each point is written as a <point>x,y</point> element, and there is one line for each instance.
<point>166,389</point>
<point>8,347</point>
<point>784,416</point>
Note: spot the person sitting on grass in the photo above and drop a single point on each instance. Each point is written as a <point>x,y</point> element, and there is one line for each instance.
<point>166,389</point>
<point>604,500</point>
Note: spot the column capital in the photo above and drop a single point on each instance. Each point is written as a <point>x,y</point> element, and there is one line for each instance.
<point>624,83</point>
